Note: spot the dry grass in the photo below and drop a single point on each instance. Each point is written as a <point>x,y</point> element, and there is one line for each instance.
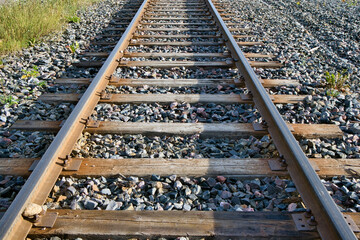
<point>24,22</point>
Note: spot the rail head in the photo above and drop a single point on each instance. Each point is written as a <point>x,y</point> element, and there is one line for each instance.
<point>330,221</point>
<point>39,184</point>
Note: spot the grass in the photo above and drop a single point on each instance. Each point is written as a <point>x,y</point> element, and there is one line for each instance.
<point>8,99</point>
<point>336,82</point>
<point>73,19</point>
<point>24,22</point>
<point>73,47</point>
<point>351,2</point>
<point>30,73</point>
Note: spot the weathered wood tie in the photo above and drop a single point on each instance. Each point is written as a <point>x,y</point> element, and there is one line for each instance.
<point>170,64</point>
<point>175,55</point>
<point>179,82</point>
<point>105,224</point>
<point>175,223</point>
<point>231,130</point>
<point>178,29</point>
<point>169,98</point>
<point>180,24</point>
<point>165,64</point>
<point>205,43</point>
<point>144,167</point>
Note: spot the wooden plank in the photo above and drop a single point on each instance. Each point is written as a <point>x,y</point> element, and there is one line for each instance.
<point>169,64</point>
<point>239,29</point>
<point>187,43</point>
<point>179,82</point>
<point>177,18</point>
<point>356,218</point>
<point>249,43</point>
<point>95,54</point>
<point>89,64</point>
<point>233,23</point>
<point>178,24</point>
<point>159,64</point>
<point>279,82</point>
<point>312,132</point>
<point>244,36</point>
<point>186,36</point>
<point>170,11</point>
<point>178,29</point>
<point>231,130</point>
<point>176,36</point>
<point>258,55</point>
<point>150,224</point>
<point>227,14</point>
<point>184,4</point>
<point>175,55</point>
<point>157,43</point>
<point>177,3</point>
<point>189,14</point>
<point>204,167</point>
<point>176,8</point>
<point>169,98</point>
<point>272,64</point>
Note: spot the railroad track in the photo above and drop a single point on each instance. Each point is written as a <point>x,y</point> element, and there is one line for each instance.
<point>189,24</point>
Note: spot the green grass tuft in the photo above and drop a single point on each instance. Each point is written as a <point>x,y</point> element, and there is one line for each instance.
<point>73,19</point>
<point>336,83</point>
<point>24,22</point>
<point>8,100</point>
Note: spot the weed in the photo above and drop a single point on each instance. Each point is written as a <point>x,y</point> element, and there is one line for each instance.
<point>73,47</point>
<point>30,73</point>
<point>41,84</point>
<point>10,100</point>
<point>32,42</point>
<point>351,2</point>
<point>1,62</point>
<point>73,19</point>
<point>336,82</point>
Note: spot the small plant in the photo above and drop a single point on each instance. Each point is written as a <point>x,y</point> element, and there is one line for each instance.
<point>30,73</point>
<point>73,19</point>
<point>336,82</point>
<point>352,2</point>
<point>41,84</point>
<point>73,47</point>
<point>8,100</point>
<point>32,42</point>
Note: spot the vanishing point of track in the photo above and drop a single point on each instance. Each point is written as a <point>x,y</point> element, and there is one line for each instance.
<point>322,218</point>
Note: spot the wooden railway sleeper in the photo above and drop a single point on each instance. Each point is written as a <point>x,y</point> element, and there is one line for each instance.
<point>44,219</point>
<point>68,163</point>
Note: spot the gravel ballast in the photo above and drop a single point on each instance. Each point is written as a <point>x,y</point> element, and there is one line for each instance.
<point>305,37</point>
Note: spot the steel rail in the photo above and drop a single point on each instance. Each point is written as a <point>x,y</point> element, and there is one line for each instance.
<point>38,186</point>
<point>330,221</point>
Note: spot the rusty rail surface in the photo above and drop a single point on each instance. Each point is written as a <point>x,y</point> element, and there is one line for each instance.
<point>330,222</point>
<point>40,182</point>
